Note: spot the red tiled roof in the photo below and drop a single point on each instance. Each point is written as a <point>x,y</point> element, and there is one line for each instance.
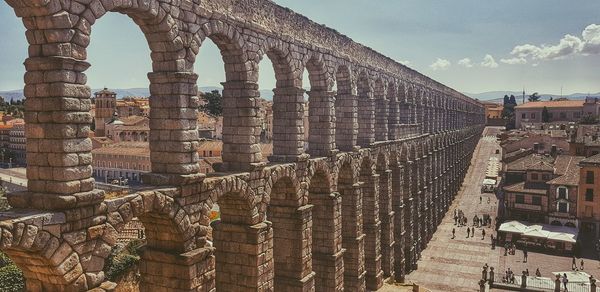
<point>551,104</point>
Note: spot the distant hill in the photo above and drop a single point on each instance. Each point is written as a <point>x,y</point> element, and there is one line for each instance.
<point>18,94</point>
<point>498,96</point>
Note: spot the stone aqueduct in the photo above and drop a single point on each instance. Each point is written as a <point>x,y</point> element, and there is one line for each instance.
<point>387,151</point>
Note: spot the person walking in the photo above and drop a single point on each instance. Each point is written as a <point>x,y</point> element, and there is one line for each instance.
<point>565,281</point>
<point>524,255</point>
<point>480,199</point>
<point>468,232</point>
<point>582,264</point>
<point>453,232</point>
<point>574,263</point>
<point>537,272</point>
<point>472,231</point>
<point>482,234</point>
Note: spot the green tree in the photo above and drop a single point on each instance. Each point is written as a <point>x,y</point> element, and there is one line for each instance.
<point>545,115</point>
<point>588,120</point>
<point>534,97</point>
<point>213,103</point>
<point>11,278</point>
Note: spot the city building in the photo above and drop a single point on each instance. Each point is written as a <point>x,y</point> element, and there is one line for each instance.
<point>588,206</point>
<point>493,114</point>
<point>584,141</point>
<point>528,200</point>
<point>17,142</point>
<point>133,106</point>
<point>563,191</point>
<point>121,160</point>
<point>105,102</point>
<point>558,110</point>
<point>128,129</point>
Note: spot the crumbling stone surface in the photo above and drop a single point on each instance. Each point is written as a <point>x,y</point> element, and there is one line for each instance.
<point>387,151</point>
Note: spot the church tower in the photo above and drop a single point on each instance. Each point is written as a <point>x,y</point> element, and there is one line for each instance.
<point>106,105</point>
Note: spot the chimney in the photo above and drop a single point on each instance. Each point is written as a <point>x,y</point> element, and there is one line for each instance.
<point>553,150</point>
<point>536,146</point>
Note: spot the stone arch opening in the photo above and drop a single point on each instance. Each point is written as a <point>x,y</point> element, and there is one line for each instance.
<point>241,125</point>
<point>352,228</point>
<point>327,252</point>
<point>291,236</point>
<point>386,210</point>
<point>381,110</point>
<point>321,110</point>
<point>366,116</point>
<point>46,262</point>
<point>369,182</point>
<point>285,126</point>
<point>243,245</point>
<point>345,110</point>
<point>393,118</point>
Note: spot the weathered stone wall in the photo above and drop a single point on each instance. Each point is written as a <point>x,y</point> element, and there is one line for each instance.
<point>387,151</point>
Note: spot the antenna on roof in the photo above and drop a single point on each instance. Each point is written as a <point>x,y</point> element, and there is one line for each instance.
<point>523,94</point>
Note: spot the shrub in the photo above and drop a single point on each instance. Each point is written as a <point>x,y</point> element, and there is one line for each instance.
<point>11,278</point>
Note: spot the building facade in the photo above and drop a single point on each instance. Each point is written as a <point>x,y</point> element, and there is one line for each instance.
<point>105,102</point>
<point>558,111</point>
<point>588,206</point>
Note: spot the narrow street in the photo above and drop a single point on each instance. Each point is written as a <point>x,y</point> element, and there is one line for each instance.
<point>455,264</point>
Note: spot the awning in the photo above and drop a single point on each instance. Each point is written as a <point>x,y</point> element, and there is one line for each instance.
<point>489,182</point>
<point>512,227</point>
<point>544,231</point>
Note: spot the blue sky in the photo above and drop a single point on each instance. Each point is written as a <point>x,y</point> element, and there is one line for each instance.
<point>470,45</point>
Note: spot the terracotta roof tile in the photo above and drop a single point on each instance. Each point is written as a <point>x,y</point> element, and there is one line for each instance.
<point>551,104</point>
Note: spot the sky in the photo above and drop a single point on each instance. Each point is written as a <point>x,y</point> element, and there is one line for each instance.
<point>471,45</point>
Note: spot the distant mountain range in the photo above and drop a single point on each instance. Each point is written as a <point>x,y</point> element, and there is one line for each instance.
<point>491,96</point>
<point>18,94</point>
<point>498,96</point>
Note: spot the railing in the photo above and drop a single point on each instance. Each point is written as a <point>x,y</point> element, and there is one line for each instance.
<point>408,130</point>
<point>532,283</point>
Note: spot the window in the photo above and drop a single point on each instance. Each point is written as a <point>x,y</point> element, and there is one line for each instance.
<point>519,199</point>
<point>589,177</point>
<point>562,207</point>
<point>563,115</point>
<point>533,115</point>
<point>577,115</point>
<point>546,177</point>
<point>534,176</point>
<point>589,195</point>
<point>550,115</point>
<point>536,200</point>
<point>561,193</point>
<point>524,116</point>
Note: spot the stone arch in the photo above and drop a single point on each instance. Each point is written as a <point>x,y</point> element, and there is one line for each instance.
<point>327,252</point>
<point>366,117</point>
<point>393,118</point>
<point>47,262</point>
<point>290,225</point>
<point>381,109</point>
<point>345,109</point>
<point>321,107</point>
<point>239,91</point>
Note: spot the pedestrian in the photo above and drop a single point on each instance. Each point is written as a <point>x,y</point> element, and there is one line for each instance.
<point>455,219</point>
<point>574,263</point>
<point>565,281</point>
<point>472,231</point>
<point>468,232</point>
<point>482,234</point>
<point>537,272</point>
<point>582,264</point>
<point>488,200</point>
<point>480,199</point>
<point>524,255</point>
<point>453,232</point>
<point>527,272</point>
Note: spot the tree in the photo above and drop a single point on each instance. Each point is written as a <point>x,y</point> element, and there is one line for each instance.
<point>213,103</point>
<point>534,97</point>
<point>588,120</point>
<point>545,115</point>
<point>512,100</point>
<point>506,99</point>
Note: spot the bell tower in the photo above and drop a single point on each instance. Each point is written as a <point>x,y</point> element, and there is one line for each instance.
<point>106,104</point>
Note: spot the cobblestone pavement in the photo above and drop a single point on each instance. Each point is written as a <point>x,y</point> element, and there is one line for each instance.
<point>455,264</point>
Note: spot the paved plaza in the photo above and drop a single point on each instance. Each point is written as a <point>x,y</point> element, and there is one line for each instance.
<point>455,264</point>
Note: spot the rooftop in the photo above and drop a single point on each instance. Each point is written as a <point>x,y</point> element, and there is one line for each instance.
<point>552,104</point>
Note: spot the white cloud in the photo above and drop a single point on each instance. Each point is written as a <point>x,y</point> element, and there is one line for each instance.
<point>466,62</point>
<point>489,62</point>
<point>440,64</point>
<point>514,61</point>
<point>567,46</point>
<point>405,63</point>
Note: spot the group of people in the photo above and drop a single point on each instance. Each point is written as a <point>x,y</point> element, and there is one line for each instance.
<point>509,276</point>
<point>470,233</point>
<point>574,266</point>
<point>484,220</point>
<point>459,218</point>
